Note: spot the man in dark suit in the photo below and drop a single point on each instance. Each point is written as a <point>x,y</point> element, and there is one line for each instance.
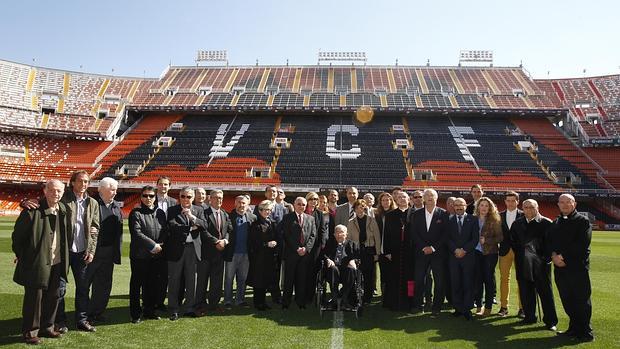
<point>476,193</point>
<point>462,235</point>
<point>533,264</point>
<point>236,258</point>
<point>506,253</point>
<point>427,231</point>
<point>214,241</point>
<point>163,201</point>
<point>569,243</point>
<point>299,232</point>
<point>109,244</point>
<point>40,240</point>
<point>339,256</point>
<point>183,250</point>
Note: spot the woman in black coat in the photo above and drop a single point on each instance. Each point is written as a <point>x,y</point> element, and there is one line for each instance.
<point>262,252</point>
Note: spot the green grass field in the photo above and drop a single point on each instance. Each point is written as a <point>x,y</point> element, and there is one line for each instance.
<point>243,328</point>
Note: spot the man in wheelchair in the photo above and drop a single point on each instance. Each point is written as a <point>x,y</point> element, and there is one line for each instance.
<point>341,266</point>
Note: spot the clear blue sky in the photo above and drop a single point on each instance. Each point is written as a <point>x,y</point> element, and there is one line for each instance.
<point>134,38</point>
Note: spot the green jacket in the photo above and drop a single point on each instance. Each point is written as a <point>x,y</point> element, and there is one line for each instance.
<point>91,219</point>
<point>32,242</point>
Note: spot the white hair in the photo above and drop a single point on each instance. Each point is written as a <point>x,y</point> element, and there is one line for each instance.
<point>107,182</point>
<point>341,227</point>
<point>432,192</point>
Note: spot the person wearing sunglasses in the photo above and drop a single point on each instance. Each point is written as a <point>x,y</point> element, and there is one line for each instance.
<point>149,271</point>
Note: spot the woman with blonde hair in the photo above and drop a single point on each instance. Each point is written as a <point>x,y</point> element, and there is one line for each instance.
<point>486,253</point>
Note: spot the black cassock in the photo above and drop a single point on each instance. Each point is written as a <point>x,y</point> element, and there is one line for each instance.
<point>262,272</point>
<point>399,271</point>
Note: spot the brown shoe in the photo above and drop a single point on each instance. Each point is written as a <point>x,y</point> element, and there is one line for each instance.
<point>503,312</point>
<point>50,334</point>
<point>486,312</point>
<point>28,339</point>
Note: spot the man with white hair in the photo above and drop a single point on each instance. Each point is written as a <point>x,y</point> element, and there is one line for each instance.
<point>41,239</point>
<point>299,232</point>
<point>427,232</point>
<point>528,241</point>
<point>339,256</point>
<point>109,242</point>
<point>569,243</point>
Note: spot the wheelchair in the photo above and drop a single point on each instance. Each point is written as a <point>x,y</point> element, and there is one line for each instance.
<point>324,300</point>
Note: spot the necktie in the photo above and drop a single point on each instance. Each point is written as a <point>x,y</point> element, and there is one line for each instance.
<point>351,212</point>
<point>218,222</point>
<point>301,230</point>
<point>460,222</point>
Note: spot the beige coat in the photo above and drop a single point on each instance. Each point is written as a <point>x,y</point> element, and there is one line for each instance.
<point>373,238</point>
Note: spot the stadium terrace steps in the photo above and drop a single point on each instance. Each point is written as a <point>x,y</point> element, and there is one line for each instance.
<point>556,151</point>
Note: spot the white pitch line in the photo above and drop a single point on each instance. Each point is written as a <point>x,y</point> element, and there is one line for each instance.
<point>337,331</point>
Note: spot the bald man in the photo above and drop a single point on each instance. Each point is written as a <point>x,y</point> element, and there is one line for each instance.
<point>41,239</point>
<point>569,243</point>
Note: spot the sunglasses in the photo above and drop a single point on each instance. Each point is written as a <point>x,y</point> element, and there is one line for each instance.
<point>149,196</point>
<point>186,197</point>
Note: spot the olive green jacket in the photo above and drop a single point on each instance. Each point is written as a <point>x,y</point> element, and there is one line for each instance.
<point>91,219</point>
<point>32,243</point>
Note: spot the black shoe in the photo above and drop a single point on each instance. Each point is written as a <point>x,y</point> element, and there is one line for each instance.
<point>588,337</point>
<point>136,320</point>
<point>151,316</point>
<point>521,314</point>
<point>174,317</point>
<point>435,313</point>
<point>86,327</point>
<point>228,306</point>
<point>567,333</point>
<point>468,316</point>
<point>456,313</point>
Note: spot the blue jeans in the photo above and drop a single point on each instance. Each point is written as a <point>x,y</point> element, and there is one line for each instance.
<point>236,269</point>
<point>78,268</point>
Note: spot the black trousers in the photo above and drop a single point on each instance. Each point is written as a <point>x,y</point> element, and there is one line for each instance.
<point>259,296</point>
<point>344,275</point>
<point>436,263</point>
<point>485,278</point>
<point>575,292</point>
<point>295,275</point>
<point>99,275</point>
<point>541,285</point>
<point>210,278</point>
<point>147,277</point>
<point>462,282</point>
<point>368,269</point>
<point>40,305</point>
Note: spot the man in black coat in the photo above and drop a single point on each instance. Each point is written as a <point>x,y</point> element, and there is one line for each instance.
<point>214,240</point>
<point>340,257</point>
<point>186,222</point>
<point>149,271</point>
<point>299,231</point>
<point>109,244</point>
<point>533,264</point>
<point>462,236</point>
<point>428,234</point>
<point>569,243</point>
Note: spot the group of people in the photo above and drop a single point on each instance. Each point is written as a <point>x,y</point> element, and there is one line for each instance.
<point>190,251</point>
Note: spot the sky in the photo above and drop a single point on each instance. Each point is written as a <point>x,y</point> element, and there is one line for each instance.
<point>552,39</point>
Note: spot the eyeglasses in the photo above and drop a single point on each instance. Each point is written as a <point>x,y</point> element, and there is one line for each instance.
<point>264,209</point>
<point>149,196</point>
<point>186,197</point>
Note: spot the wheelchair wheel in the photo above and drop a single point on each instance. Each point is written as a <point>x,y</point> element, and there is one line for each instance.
<point>358,312</point>
<point>319,291</point>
